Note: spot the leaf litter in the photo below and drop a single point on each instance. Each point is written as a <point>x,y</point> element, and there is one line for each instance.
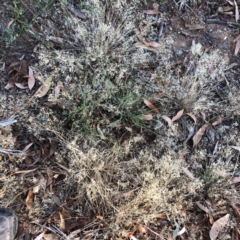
<point>142,169</point>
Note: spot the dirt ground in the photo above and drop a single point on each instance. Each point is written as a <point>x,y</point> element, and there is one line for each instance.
<point>121,119</point>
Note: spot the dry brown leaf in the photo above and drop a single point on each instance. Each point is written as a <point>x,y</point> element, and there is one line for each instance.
<point>154,11</point>
<point>57,91</point>
<point>236,12</point>
<point>235,180</point>
<point>179,114</point>
<point>42,91</point>
<point>235,147</point>
<point>198,136</point>
<point>218,121</point>
<point>152,44</point>
<point>50,236</point>
<point>19,85</point>
<point>150,105</point>
<point>142,45</point>
<point>62,225</point>
<point>40,236</point>
<point>127,234</point>
<point>100,217</point>
<point>188,173</point>
<point>129,193</point>
<point>147,117</point>
<point>141,228</point>
<point>27,147</point>
<point>202,207</point>
<point>129,129</point>
<point>237,48</point>
<point>31,79</point>
<point>169,121</point>
<point>191,115</point>
<point>29,199</point>
<point>226,10</point>
<point>218,226</point>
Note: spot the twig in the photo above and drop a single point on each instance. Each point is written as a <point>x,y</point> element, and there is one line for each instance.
<point>161,30</point>
<point>222,22</point>
<point>11,151</point>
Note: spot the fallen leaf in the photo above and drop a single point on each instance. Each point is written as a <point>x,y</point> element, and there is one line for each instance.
<point>169,121</point>
<point>27,147</point>
<point>31,79</point>
<point>29,199</point>
<point>150,12</point>
<point>50,236</point>
<point>151,106</point>
<point>194,26</point>
<point>57,91</point>
<point>76,12</point>
<point>129,193</point>
<point>236,12</point>
<point>237,46</point>
<point>142,45</point>
<point>19,85</point>
<point>235,180</point>
<point>129,129</point>
<point>10,23</point>
<point>178,115</point>
<point>218,121</point>
<point>40,236</point>
<point>141,228</point>
<point>42,91</point>
<point>235,147</point>
<point>191,115</point>
<point>218,226</point>
<point>226,10</point>
<point>198,136</point>
<point>188,173</point>
<point>147,117</point>
<point>99,217</point>
<point>128,234</point>
<point>230,2</point>
<point>62,224</point>
<point>152,44</point>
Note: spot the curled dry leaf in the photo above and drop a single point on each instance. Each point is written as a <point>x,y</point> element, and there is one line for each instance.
<point>188,173</point>
<point>141,228</point>
<point>31,79</point>
<point>147,117</point>
<point>218,226</point>
<point>235,180</point>
<point>100,217</point>
<point>42,91</point>
<point>29,199</point>
<point>19,85</point>
<point>150,105</point>
<point>191,115</point>
<point>237,48</point>
<point>169,121</point>
<point>218,121</point>
<point>198,136</point>
<point>142,45</point>
<point>179,114</point>
<point>152,44</point>
<point>235,147</point>
<point>236,12</point>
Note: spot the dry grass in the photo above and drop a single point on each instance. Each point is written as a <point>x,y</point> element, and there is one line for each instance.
<point>115,164</point>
